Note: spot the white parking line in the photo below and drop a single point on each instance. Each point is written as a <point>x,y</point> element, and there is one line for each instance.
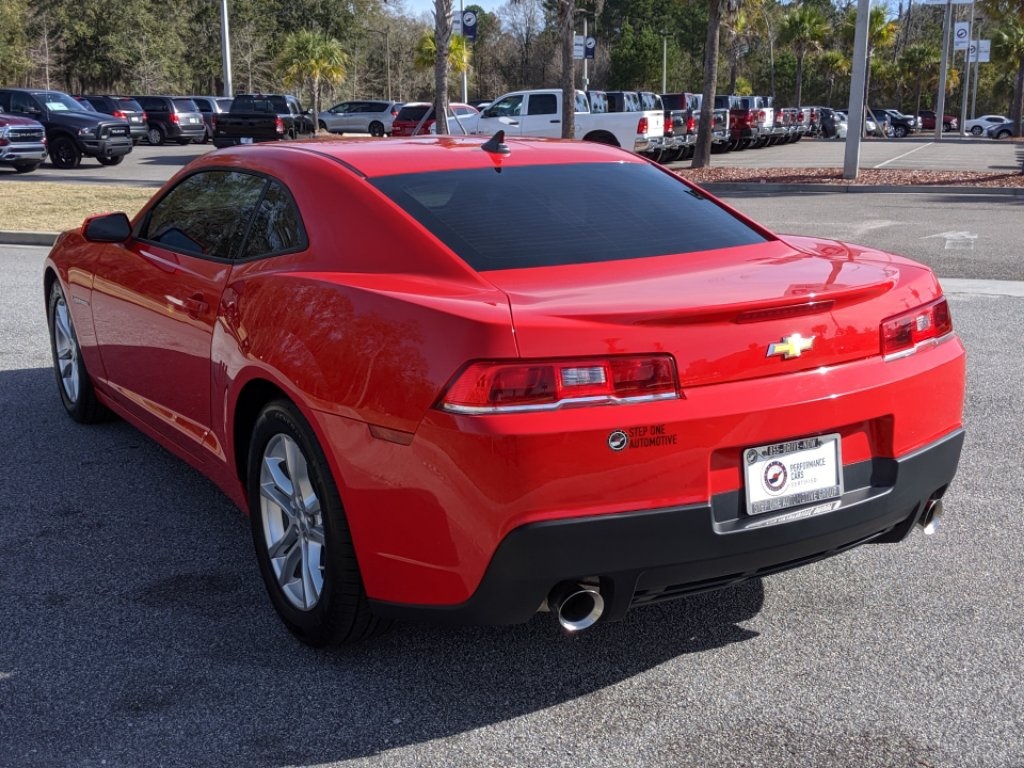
<point>963,286</point>
<point>894,159</point>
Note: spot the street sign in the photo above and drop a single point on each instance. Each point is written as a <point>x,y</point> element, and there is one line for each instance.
<point>961,35</point>
<point>577,46</point>
<point>980,51</point>
<point>591,47</point>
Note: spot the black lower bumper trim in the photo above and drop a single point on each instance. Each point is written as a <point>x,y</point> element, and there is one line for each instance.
<point>651,556</point>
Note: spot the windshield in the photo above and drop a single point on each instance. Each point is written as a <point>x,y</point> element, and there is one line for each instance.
<point>551,215</point>
<point>55,101</point>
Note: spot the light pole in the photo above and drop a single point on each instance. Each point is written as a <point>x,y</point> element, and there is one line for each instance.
<point>664,61</point>
<point>225,46</point>
<point>586,80</point>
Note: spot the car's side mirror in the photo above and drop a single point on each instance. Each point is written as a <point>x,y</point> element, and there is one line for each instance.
<point>108,228</point>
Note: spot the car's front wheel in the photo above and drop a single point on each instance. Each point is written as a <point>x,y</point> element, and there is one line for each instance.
<point>111,160</point>
<point>73,382</point>
<point>64,154</point>
<point>26,167</point>
<point>899,131</point>
<point>302,540</point>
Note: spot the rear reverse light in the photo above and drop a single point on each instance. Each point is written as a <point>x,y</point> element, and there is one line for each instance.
<point>641,126</point>
<point>279,125</point>
<point>540,385</point>
<point>902,334</point>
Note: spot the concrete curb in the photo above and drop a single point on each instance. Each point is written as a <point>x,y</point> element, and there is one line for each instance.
<point>724,188</point>
<point>27,238</point>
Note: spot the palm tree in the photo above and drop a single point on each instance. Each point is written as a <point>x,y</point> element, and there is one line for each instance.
<point>804,29</point>
<point>717,9</point>
<point>917,62</point>
<point>442,43</point>
<point>1010,45</point>
<point>312,60</point>
<point>425,53</point>
<point>833,64</point>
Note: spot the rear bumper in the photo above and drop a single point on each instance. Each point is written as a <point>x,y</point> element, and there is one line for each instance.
<point>656,555</point>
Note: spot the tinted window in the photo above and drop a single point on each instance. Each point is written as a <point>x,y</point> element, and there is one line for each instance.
<point>207,214</point>
<point>128,104</point>
<point>542,104</point>
<point>185,105</point>
<point>564,214</point>
<point>413,113</point>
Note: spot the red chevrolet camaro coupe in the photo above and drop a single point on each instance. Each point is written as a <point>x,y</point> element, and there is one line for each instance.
<point>464,380</point>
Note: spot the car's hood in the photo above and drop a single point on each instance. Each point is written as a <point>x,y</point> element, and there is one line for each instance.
<point>21,122</point>
<point>718,312</point>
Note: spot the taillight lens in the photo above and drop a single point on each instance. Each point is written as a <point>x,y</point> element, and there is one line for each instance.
<point>502,387</point>
<point>279,125</point>
<point>641,126</point>
<point>902,333</point>
<point>174,117</point>
<point>691,125</point>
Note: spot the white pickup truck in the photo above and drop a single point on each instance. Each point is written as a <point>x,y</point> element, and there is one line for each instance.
<point>539,113</point>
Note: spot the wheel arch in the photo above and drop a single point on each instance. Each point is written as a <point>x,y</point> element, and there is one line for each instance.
<point>602,137</point>
<point>255,395</point>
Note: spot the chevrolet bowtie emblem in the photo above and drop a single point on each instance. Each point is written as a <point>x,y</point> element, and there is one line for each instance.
<point>790,346</point>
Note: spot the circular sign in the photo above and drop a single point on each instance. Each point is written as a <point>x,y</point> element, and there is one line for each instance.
<point>618,440</point>
<point>591,42</point>
<point>775,477</point>
<point>961,34</point>
<point>469,18</point>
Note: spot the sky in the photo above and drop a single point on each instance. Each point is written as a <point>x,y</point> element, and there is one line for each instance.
<point>419,7</point>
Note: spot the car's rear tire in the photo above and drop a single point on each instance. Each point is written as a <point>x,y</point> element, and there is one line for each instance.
<point>1004,134</point>
<point>155,135</point>
<point>64,153</point>
<point>976,130</point>
<point>110,160</point>
<point>303,544</point>
<point>376,128</point>
<point>26,167</point>
<point>73,382</point>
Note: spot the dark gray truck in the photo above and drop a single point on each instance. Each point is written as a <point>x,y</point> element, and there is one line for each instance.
<point>255,118</point>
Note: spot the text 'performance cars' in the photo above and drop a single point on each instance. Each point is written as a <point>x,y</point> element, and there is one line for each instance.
<point>459,379</point>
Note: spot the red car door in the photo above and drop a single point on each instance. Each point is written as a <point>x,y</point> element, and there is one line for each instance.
<point>155,301</point>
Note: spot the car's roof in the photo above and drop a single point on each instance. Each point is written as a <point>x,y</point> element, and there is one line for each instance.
<point>372,157</point>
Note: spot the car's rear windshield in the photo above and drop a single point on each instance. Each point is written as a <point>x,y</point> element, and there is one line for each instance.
<point>185,105</point>
<point>412,113</point>
<point>129,104</point>
<point>551,215</point>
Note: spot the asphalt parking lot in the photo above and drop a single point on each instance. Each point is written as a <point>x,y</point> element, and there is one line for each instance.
<point>151,166</point>
<point>134,629</point>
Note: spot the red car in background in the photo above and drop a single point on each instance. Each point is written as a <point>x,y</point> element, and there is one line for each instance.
<point>422,114</point>
<point>580,384</point>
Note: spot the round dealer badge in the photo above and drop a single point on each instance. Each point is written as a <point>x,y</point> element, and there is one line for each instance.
<point>775,477</point>
<point>618,440</point>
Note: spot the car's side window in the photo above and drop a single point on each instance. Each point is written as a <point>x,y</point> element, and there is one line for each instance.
<point>509,107</point>
<point>207,214</point>
<point>542,104</point>
<point>277,225</point>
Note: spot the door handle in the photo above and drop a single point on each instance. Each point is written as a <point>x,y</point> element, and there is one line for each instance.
<point>196,306</point>
<point>554,121</point>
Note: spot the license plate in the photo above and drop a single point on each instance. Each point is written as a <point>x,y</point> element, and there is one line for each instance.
<point>246,140</point>
<point>792,474</point>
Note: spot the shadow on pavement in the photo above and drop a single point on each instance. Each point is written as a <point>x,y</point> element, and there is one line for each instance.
<point>134,628</point>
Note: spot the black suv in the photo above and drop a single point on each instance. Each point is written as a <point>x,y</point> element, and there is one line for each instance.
<point>172,117</point>
<point>124,107</point>
<point>71,131</point>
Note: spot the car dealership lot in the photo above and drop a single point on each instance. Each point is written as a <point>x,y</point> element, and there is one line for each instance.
<point>133,629</point>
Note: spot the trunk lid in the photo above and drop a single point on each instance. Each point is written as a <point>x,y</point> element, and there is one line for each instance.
<point>725,315</point>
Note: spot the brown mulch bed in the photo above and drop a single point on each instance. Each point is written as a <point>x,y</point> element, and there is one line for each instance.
<point>865,177</point>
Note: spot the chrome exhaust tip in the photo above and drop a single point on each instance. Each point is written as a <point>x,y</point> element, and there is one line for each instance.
<point>577,606</point>
<point>931,517</point>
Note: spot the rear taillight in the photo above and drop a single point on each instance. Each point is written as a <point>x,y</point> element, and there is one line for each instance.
<point>174,117</point>
<point>691,125</point>
<point>641,126</point>
<point>145,116</point>
<point>279,125</point>
<point>903,333</point>
<point>119,113</point>
<point>508,387</point>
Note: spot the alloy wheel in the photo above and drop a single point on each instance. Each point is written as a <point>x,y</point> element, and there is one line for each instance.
<point>67,350</point>
<point>293,528</point>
